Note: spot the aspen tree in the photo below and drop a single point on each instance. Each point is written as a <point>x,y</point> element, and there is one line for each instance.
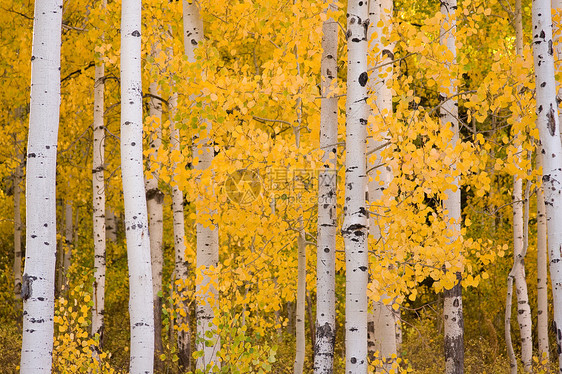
<point>354,228</point>
<point>181,266</point>
<point>542,256</point>
<point>452,310</point>
<point>383,327</point>
<point>17,218</point>
<point>542,270</point>
<point>38,281</point>
<point>327,215</point>
<point>154,202</point>
<point>136,219</point>
<point>517,273</point>
<point>99,212</point>
<point>548,124</point>
<point>68,239</point>
<point>207,233</point>
<point>300,349</point>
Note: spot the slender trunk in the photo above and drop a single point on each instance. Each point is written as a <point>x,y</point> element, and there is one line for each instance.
<point>181,267</point>
<point>208,340</point>
<point>354,228</point>
<point>300,350</point>
<point>17,219</point>
<point>68,237</point>
<point>136,217</point>
<point>549,129</point>
<point>38,281</point>
<point>327,215</point>
<point>154,201</point>
<point>380,15</point>
<point>98,184</point>
<point>518,271</point>
<point>452,311</point>
<point>519,248</point>
<point>542,272</point>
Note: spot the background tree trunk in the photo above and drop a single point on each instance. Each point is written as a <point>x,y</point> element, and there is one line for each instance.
<point>99,215</point>
<point>154,201</point>
<point>542,271</point>
<point>17,218</point>
<point>380,17</point>
<point>452,310</point>
<point>208,233</point>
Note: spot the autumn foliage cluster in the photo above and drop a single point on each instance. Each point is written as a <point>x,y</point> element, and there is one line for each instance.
<point>256,78</point>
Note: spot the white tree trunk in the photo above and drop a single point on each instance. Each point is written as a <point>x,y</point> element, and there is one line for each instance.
<point>519,236</point>
<point>98,184</point>
<point>549,129</point>
<point>38,281</point>
<point>327,214</point>
<point>181,266</point>
<point>136,218</point>
<point>452,310</point>
<point>17,219</point>
<point>68,240</point>
<point>207,235</point>
<point>517,272</point>
<point>380,15</point>
<point>300,349</point>
<point>154,201</point>
<point>354,228</point>
<point>542,271</point>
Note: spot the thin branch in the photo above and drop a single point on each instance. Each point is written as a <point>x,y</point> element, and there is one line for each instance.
<point>79,71</point>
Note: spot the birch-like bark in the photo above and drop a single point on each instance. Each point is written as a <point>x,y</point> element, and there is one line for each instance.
<point>208,233</point>
<point>452,310</point>
<point>557,42</point>
<point>38,281</point>
<point>68,240</point>
<point>518,263</point>
<point>110,225</point>
<point>518,271</point>
<point>181,266</point>
<point>154,201</point>
<point>327,214</point>
<point>98,184</point>
<point>383,332</point>
<point>542,271</point>
<point>300,349</point>
<point>136,218</point>
<point>354,228</point>
<point>549,129</point>
<point>17,219</point>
